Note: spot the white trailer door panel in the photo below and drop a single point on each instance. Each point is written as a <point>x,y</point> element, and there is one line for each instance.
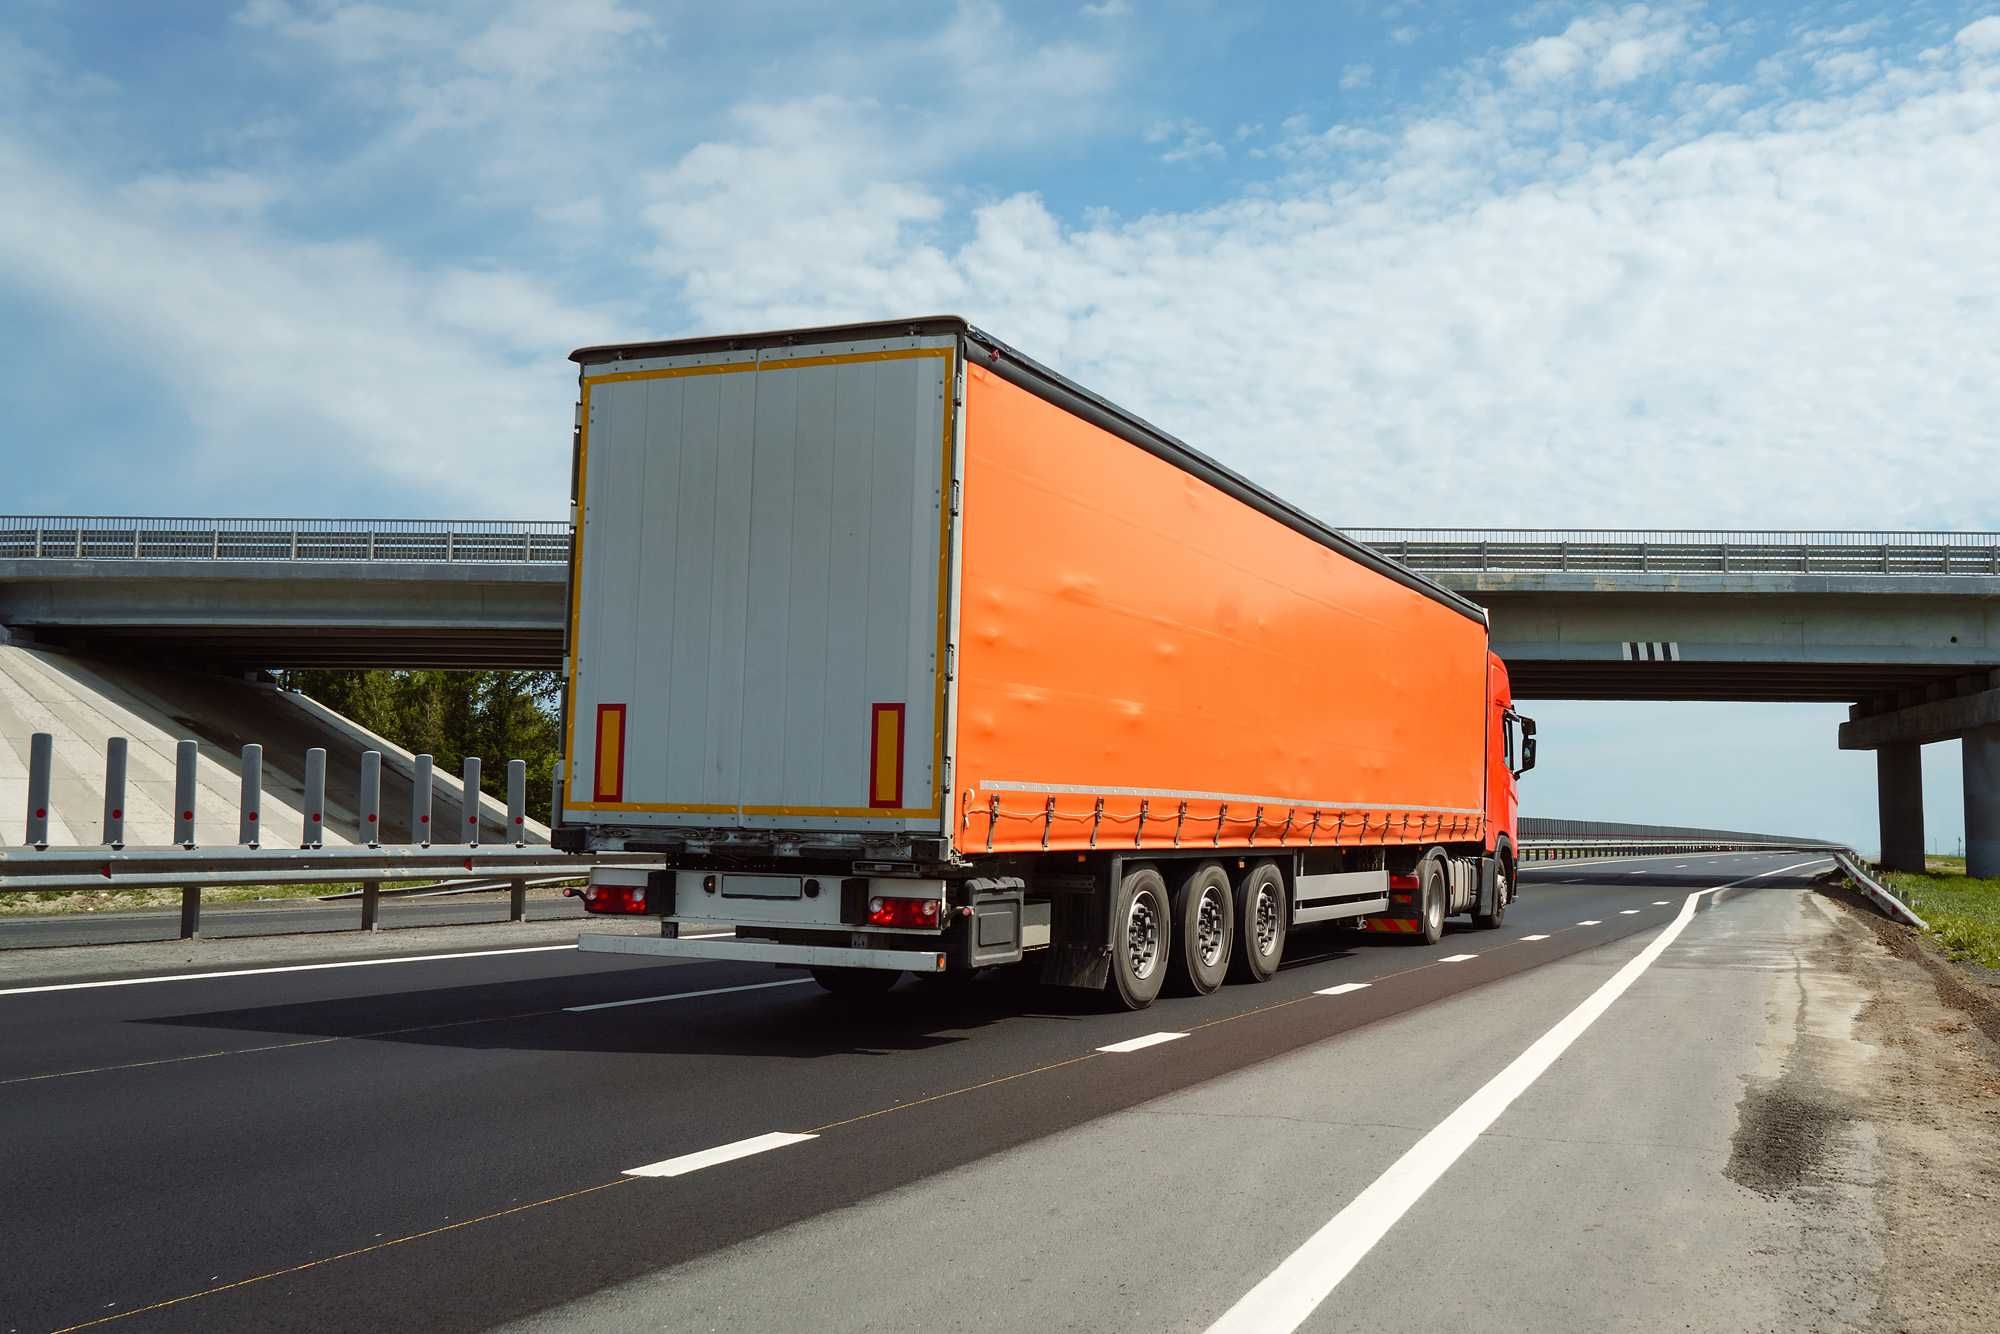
<point>759,612</point>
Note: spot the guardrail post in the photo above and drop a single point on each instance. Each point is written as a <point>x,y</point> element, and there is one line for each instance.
<point>41,761</point>
<point>468,802</point>
<point>312,819</point>
<point>420,802</point>
<point>38,542</point>
<point>190,911</point>
<point>371,905</point>
<point>295,544</point>
<point>517,801</point>
<point>517,900</point>
<point>186,755</point>
<point>253,796</point>
<point>368,817</point>
<point>114,792</point>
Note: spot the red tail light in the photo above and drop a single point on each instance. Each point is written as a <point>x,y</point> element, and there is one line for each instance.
<point>902,912</point>
<point>614,898</point>
<point>1404,882</point>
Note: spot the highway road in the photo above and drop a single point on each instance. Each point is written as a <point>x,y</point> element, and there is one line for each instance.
<point>447,1143</point>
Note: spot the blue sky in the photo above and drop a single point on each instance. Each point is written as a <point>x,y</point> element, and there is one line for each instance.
<point>1408,263</point>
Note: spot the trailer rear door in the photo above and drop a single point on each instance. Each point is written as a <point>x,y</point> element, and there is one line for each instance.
<point>760,592</point>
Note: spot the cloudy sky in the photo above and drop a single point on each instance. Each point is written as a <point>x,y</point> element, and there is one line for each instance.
<point>1407,263</point>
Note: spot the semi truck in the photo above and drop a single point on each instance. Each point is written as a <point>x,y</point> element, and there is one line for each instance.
<point>906,654</point>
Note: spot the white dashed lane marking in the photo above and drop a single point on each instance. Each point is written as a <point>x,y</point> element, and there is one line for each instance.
<point>1140,1044</point>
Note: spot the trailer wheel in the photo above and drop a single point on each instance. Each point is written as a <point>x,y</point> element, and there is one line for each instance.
<point>1430,909</point>
<point>1205,922</point>
<point>1142,938</point>
<point>856,981</point>
<point>1503,884</point>
<point>1261,916</point>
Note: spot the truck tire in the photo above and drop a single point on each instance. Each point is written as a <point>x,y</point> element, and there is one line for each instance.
<point>1261,918</point>
<point>1142,939</point>
<point>1503,884</point>
<point>1205,927</point>
<point>856,981</point>
<point>1431,903</point>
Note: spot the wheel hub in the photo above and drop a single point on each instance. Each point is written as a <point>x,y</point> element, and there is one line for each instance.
<point>1209,930</point>
<point>1266,920</point>
<point>1142,935</point>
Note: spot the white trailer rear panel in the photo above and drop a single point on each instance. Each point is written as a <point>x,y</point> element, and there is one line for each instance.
<point>761,607</point>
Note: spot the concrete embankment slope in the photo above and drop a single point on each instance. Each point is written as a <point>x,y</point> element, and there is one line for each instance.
<point>85,701</point>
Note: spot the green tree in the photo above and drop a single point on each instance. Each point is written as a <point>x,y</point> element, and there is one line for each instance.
<point>496,715</point>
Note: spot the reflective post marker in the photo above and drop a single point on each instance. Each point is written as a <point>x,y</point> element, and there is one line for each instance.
<point>312,818</point>
<point>420,802</point>
<point>368,819</point>
<point>468,802</point>
<point>41,760</point>
<point>517,801</point>
<point>114,792</point>
<point>186,755</point>
<point>253,795</point>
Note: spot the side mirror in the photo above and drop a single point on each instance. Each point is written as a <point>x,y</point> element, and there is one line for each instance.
<point>1527,745</point>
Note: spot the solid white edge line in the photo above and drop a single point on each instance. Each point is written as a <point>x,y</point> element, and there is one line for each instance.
<point>1457,958</point>
<point>283,968</point>
<point>1140,1044</point>
<point>1534,937</point>
<point>684,995</point>
<point>721,1153</point>
<point>1342,989</point>
<point>1292,1291</point>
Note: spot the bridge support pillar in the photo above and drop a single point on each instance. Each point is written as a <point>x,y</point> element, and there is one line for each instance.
<point>1899,802</point>
<point>1982,801</point>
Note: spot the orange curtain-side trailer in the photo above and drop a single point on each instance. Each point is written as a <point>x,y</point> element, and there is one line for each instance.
<point>906,654</point>
<point>1147,661</point>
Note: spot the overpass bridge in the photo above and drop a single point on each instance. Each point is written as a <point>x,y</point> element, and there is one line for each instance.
<point>1904,627</point>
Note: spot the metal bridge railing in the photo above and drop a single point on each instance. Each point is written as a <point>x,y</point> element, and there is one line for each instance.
<point>1685,551</point>
<point>115,537</point>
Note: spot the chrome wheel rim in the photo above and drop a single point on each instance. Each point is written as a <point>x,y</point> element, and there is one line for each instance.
<point>1210,927</point>
<point>1142,934</point>
<point>1434,910</point>
<point>1265,919</point>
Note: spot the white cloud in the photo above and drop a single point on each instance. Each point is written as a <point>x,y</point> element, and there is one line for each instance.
<point>1496,311</point>
<point>1357,76</point>
<point>1982,37</point>
<point>1616,47</point>
<point>1404,34</point>
<point>1186,141</point>
<point>292,356</point>
<point>1109,9</point>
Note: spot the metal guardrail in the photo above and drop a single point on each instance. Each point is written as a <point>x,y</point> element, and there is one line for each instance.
<point>1581,550</point>
<point>1571,849</point>
<point>1685,551</point>
<point>114,537</point>
<point>188,865</point>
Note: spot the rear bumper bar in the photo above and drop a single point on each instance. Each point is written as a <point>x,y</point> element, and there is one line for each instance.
<point>765,951</point>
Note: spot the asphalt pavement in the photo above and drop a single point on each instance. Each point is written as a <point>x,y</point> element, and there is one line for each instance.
<point>446,1143</point>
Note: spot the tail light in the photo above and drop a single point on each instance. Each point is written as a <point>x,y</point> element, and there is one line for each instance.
<point>902,912</point>
<point>614,898</point>
<point>1402,887</point>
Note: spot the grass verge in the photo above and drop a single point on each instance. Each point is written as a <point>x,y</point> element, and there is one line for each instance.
<point>1964,913</point>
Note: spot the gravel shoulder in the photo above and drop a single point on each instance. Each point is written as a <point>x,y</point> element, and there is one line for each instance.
<point>1919,1069</point>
